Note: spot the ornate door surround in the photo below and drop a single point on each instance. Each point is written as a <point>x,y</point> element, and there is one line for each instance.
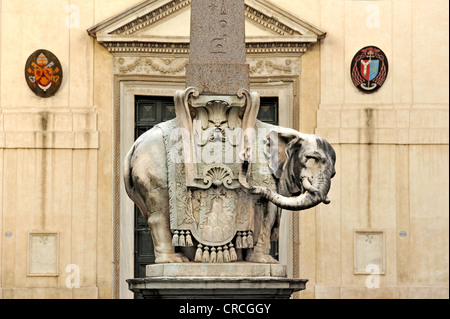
<point>126,87</point>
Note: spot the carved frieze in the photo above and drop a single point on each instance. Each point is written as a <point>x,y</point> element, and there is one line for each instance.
<point>150,65</point>
<point>274,66</point>
<point>127,65</point>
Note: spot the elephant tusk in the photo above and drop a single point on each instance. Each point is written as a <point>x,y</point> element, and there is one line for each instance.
<point>307,185</point>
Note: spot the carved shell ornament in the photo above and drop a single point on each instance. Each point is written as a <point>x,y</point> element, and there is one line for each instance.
<point>217,175</point>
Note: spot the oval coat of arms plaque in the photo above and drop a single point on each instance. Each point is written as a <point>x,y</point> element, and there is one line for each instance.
<point>369,69</point>
<point>43,73</point>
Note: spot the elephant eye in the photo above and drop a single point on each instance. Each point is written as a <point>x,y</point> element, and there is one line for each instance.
<point>314,157</point>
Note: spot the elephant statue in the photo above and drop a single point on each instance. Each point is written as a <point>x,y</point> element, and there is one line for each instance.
<point>301,167</point>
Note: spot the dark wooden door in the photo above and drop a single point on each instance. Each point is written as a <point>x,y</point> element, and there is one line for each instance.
<point>268,112</point>
<point>149,111</point>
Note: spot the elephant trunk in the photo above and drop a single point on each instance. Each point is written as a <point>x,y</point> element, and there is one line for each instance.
<point>309,198</point>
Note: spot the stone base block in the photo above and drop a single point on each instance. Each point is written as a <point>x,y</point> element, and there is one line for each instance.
<point>218,281</point>
<point>237,269</point>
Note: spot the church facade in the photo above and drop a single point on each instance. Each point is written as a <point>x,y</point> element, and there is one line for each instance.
<point>368,76</point>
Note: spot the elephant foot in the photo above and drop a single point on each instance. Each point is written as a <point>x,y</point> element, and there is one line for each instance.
<point>171,258</point>
<point>261,258</point>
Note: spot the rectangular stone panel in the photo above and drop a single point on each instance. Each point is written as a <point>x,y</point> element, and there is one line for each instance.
<point>43,254</point>
<point>369,256</point>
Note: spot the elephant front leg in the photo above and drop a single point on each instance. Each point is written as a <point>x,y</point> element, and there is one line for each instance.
<point>158,222</point>
<point>261,251</point>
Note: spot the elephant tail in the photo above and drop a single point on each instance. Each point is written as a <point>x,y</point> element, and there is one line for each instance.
<point>128,180</point>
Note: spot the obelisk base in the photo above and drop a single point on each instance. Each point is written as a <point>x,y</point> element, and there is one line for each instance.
<point>216,281</point>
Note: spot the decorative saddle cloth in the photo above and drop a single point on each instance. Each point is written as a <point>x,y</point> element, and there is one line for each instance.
<point>220,215</point>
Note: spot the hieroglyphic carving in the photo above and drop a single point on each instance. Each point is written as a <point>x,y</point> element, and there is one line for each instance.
<point>223,9</point>
<point>218,22</point>
<point>218,45</point>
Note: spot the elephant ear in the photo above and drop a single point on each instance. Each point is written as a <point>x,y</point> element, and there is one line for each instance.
<point>279,148</point>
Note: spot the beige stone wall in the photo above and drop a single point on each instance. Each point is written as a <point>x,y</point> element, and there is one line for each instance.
<point>56,154</point>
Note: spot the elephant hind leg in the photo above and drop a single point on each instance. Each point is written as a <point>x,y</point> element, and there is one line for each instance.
<point>158,222</point>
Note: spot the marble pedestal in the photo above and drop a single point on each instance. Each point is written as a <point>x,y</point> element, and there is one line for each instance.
<point>216,281</point>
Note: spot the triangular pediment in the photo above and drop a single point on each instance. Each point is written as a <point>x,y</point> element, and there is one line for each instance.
<point>163,26</point>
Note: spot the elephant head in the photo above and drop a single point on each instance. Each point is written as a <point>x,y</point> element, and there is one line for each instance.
<point>303,164</point>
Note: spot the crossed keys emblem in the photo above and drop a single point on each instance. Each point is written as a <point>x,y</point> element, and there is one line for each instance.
<point>43,73</point>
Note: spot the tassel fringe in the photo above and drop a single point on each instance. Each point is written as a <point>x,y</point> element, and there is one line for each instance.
<point>220,254</point>
<point>233,255</point>
<point>175,238</point>
<point>205,257</point>
<point>213,255</point>
<point>244,240</point>
<point>182,239</point>
<point>189,242</point>
<point>250,239</point>
<point>198,254</point>
<point>226,255</point>
<point>239,240</point>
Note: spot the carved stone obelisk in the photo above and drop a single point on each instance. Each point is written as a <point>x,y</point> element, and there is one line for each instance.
<point>217,51</point>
